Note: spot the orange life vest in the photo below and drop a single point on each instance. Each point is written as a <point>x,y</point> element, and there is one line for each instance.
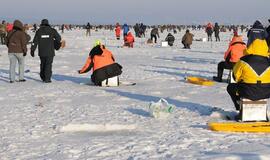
<point>105,59</point>
<point>236,49</point>
<point>98,61</point>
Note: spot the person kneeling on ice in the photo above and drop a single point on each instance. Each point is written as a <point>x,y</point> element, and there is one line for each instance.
<point>103,64</point>
<point>187,39</point>
<point>252,71</point>
<point>231,56</point>
<point>129,40</point>
<point>170,39</point>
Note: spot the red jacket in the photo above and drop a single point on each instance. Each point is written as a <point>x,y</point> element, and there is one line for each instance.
<point>129,38</point>
<point>235,50</point>
<point>117,31</point>
<point>9,27</point>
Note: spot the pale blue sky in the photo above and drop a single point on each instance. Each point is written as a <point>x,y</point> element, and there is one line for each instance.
<point>132,11</point>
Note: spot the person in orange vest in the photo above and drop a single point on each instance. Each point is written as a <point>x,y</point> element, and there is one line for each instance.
<point>231,56</point>
<point>117,31</point>
<point>102,61</point>
<point>129,40</point>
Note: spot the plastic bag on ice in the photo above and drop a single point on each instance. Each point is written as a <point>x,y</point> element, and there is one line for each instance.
<point>160,109</point>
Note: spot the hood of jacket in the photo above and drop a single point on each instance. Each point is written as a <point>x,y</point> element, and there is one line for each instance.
<point>257,25</point>
<point>257,44</point>
<point>18,25</point>
<point>45,22</point>
<point>129,34</point>
<point>237,39</point>
<point>256,32</point>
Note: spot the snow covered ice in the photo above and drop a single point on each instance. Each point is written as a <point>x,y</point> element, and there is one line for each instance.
<point>33,114</point>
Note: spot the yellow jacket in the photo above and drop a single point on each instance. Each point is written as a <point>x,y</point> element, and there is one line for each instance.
<point>254,67</point>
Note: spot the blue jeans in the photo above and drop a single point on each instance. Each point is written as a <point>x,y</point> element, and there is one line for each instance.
<point>13,58</point>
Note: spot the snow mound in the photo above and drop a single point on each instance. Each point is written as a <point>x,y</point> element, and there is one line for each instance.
<point>96,127</point>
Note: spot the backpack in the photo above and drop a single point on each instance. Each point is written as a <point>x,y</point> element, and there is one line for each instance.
<point>57,44</point>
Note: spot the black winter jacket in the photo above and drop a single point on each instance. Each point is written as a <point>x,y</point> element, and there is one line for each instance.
<point>44,39</point>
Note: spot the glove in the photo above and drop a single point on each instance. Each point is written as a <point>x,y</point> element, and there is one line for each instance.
<point>32,53</point>
<point>24,54</point>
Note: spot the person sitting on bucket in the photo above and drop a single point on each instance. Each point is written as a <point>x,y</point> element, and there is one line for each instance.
<point>231,56</point>
<point>129,40</point>
<point>103,63</point>
<point>252,71</point>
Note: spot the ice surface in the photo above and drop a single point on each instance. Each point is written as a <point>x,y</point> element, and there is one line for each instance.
<point>33,112</point>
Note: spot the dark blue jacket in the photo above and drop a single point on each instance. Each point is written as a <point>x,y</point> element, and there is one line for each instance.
<point>256,32</point>
<point>125,28</point>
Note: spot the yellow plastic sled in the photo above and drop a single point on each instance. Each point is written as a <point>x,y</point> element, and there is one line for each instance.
<point>200,81</point>
<point>255,127</point>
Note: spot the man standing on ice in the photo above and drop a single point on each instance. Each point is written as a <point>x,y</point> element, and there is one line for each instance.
<point>45,39</point>
<point>154,34</point>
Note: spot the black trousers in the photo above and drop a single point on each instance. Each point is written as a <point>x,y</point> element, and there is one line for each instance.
<point>217,37</point>
<point>155,37</point>
<point>223,65</point>
<point>3,38</point>
<point>209,37</point>
<point>46,68</point>
<point>187,46</point>
<point>232,89</point>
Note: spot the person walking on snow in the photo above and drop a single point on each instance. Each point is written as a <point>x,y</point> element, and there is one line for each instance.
<point>17,50</point>
<point>117,31</point>
<point>209,31</point>
<point>46,39</point>
<point>154,34</point>
<point>88,29</point>
<point>216,30</point>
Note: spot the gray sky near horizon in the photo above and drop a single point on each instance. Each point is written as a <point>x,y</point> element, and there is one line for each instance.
<point>133,11</point>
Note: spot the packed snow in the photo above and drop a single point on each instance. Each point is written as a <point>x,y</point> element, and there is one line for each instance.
<point>69,119</point>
